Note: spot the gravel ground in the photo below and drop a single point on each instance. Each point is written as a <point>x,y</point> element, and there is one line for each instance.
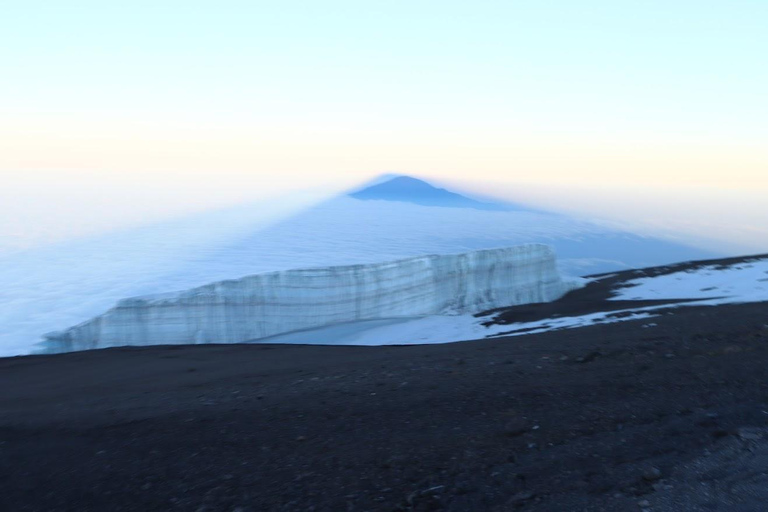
<point>619,417</point>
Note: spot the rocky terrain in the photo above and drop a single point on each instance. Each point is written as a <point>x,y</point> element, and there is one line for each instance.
<point>662,414</point>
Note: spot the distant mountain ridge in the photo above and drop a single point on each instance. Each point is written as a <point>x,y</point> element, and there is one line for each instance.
<point>412,190</point>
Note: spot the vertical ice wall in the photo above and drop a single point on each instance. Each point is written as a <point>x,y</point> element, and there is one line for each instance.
<point>272,303</point>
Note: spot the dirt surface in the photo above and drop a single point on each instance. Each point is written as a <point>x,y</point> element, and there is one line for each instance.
<point>619,417</point>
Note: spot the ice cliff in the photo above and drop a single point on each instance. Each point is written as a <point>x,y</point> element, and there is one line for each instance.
<point>272,303</point>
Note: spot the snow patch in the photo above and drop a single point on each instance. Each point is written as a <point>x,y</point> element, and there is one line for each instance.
<point>714,284</point>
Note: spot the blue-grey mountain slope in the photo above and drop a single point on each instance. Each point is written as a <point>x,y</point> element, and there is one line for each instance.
<point>583,247</point>
<point>411,190</point>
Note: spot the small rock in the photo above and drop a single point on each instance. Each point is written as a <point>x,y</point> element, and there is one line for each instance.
<point>750,434</point>
<point>643,503</point>
<point>432,492</point>
<point>652,474</point>
<point>589,357</point>
<point>521,497</point>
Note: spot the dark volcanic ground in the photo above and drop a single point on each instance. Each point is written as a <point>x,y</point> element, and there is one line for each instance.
<point>662,414</point>
<point>626,416</point>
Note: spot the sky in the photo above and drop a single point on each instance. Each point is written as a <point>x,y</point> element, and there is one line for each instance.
<point>652,113</point>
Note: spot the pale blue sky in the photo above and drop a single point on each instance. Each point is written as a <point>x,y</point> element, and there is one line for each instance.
<point>236,98</point>
<point>627,65</point>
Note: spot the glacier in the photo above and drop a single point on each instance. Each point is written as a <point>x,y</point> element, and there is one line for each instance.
<point>51,288</point>
<point>273,303</point>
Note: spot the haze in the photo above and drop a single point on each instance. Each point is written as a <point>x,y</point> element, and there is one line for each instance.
<point>651,114</point>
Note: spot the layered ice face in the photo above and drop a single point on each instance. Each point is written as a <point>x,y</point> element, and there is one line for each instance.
<point>52,288</point>
<point>274,303</point>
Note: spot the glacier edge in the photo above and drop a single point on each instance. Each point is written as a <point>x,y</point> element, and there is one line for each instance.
<point>267,304</point>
